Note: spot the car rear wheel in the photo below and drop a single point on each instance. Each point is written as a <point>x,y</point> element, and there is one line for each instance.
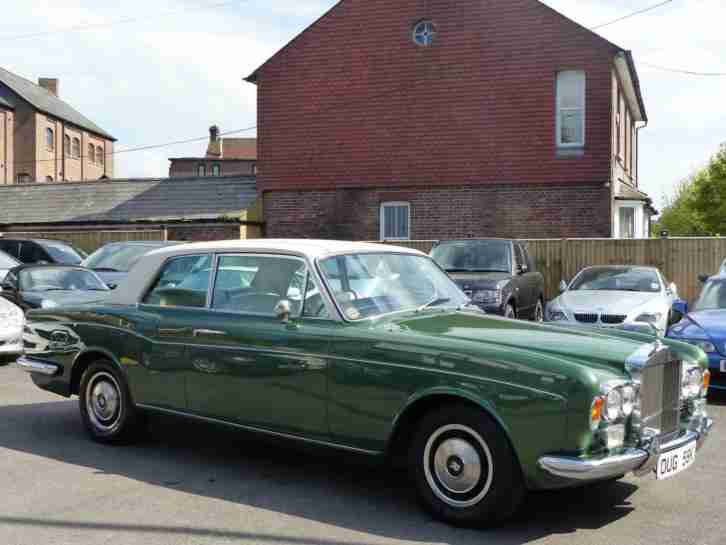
<point>105,403</point>
<point>464,469</point>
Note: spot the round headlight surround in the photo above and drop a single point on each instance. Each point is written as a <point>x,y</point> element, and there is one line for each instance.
<point>629,397</point>
<point>613,405</point>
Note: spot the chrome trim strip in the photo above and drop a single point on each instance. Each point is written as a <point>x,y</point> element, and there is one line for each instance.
<point>286,354</point>
<point>34,366</point>
<point>258,430</point>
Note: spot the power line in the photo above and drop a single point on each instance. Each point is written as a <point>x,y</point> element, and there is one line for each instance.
<point>629,15</point>
<point>126,20</point>
<point>685,72</point>
<point>139,148</point>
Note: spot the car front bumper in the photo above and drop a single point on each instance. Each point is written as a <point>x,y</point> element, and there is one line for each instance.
<point>640,460</point>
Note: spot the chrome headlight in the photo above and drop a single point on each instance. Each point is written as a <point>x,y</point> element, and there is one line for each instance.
<point>650,317</point>
<point>693,382</point>
<point>619,400</point>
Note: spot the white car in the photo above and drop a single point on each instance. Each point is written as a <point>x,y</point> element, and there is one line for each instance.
<point>615,296</point>
<point>7,262</point>
<point>12,321</point>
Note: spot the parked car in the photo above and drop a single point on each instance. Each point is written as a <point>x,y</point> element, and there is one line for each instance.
<point>498,275</point>
<point>616,296</point>
<point>113,261</point>
<point>705,327</point>
<point>50,286</point>
<point>42,251</point>
<point>7,262</point>
<point>12,321</point>
<point>480,408</point>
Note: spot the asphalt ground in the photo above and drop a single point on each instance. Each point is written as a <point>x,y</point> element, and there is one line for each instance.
<point>192,484</point>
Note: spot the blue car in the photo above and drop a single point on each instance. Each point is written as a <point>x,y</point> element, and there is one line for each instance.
<point>705,326</point>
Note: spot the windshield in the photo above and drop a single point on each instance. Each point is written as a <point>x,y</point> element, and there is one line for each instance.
<point>713,296</point>
<point>617,279</point>
<point>7,262</point>
<point>474,255</point>
<point>369,285</point>
<point>62,253</point>
<point>51,279</point>
<point>117,257</point>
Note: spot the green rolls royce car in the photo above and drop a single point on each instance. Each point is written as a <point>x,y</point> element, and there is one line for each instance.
<point>373,349</point>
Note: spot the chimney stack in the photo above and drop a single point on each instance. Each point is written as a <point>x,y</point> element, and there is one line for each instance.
<point>213,133</point>
<point>49,84</point>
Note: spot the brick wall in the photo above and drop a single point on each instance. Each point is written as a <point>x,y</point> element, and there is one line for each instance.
<point>513,210</point>
<point>354,102</point>
<point>204,233</point>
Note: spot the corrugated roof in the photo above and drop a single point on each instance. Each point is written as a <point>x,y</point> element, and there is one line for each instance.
<point>133,200</point>
<point>47,102</point>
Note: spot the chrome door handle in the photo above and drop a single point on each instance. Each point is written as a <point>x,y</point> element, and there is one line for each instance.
<point>209,333</point>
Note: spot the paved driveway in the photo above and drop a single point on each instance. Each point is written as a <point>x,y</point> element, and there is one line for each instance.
<point>188,484</point>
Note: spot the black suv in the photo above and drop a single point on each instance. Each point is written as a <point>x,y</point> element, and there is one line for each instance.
<point>31,251</point>
<point>498,275</point>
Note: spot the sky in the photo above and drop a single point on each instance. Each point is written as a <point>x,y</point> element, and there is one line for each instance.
<point>177,66</point>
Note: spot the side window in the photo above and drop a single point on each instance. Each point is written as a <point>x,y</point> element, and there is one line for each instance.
<point>518,257</point>
<point>183,282</point>
<point>314,306</point>
<point>30,252</point>
<point>254,284</point>
<point>10,247</point>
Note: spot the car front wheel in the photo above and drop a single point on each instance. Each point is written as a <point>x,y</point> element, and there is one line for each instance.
<point>464,469</point>
<point>509,312</point>
<point>105,404</point>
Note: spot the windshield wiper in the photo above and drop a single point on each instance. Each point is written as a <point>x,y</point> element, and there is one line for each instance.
<point>106,269</point>
<point>433,303</point>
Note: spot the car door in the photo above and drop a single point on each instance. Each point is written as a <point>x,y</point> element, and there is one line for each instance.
<point>247,365</point>
<point>174,306</point>
<point>522,283</point>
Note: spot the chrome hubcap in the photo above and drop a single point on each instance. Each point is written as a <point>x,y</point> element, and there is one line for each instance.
<point>458,465</point>
<point>103,402</point>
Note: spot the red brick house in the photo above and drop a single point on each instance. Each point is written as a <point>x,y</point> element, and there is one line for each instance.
<point>225,157</point>
<point>447,119</point>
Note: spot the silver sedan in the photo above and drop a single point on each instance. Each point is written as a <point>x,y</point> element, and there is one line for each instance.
<point>615,296</point>
<point>12,321</point>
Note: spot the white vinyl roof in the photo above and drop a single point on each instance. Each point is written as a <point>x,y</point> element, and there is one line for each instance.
<point>139,280</point>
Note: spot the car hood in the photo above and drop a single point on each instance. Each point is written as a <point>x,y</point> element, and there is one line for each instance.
<point>702,324</point>
<point>607,302</point>
<point>65,298</point>
<point>577,345</point>
<point>479,280</point>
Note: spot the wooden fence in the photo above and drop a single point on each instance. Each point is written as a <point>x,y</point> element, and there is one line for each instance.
<point>681,260</point>
<point>90,241</point>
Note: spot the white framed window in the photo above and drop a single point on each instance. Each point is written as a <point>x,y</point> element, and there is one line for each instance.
<point>201,169</point>
<point>571,109</point>
<point>627,222</point>
<point>395,221</point>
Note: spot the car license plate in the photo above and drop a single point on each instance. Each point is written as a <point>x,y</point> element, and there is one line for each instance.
<point>673,462</point>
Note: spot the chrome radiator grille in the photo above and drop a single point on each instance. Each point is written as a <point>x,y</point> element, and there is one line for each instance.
<point>660,395</point>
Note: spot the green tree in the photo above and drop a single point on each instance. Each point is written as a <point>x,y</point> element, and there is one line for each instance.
<point>698,206</point>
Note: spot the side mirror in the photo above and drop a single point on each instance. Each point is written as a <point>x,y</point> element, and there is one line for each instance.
<point>563,286</point>
<point>703,278</point>
<point>282,311</point>
<point>678,311</point>
<point>673,289</point>
<point>522,269</point>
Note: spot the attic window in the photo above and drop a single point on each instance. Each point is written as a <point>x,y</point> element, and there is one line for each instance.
<point>424,33</point>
